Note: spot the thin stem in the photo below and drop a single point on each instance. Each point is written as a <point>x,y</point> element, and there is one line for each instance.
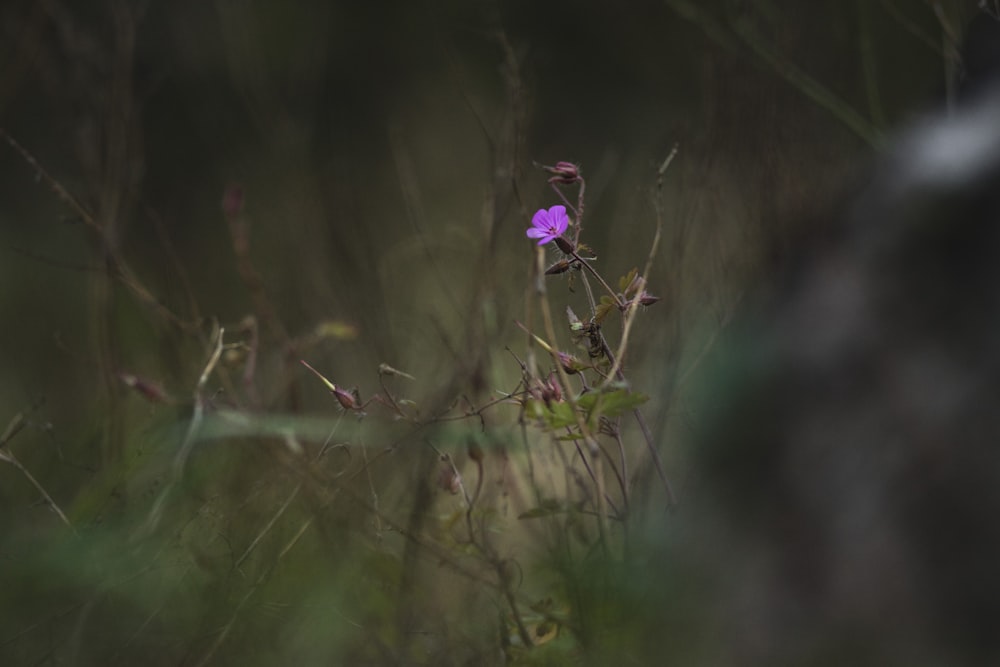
<point>8,457</point>
<point>590,471</point>
<point>648,437</point>
<point>576,212</point>
<point>600,279</point>
<point>799,79</point>
<point>915,30</point>
<point>592,447</point>
<point>194,426</point>
<point>579,210</point>
<point>119,269</point>
<point>268,526</point>
<point>630,313</point>
<point>623,460</point>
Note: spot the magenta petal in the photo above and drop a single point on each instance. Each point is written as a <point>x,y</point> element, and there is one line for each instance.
<point>558,217</point>
<point>548,225</point>
<point>541,218</point>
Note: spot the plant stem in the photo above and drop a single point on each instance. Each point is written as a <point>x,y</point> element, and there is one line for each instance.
<point>600,279</point>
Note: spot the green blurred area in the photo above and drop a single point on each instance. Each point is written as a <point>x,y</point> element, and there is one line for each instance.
<point>385,153</point>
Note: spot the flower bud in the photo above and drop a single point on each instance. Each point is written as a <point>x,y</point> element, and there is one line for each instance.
<point>349,400</point>
<point>569,363</point>
<point>562,266</point>
<point>565,245</point>
<point>647,299</point>
<point>553,389</point>
<point>564,172</point>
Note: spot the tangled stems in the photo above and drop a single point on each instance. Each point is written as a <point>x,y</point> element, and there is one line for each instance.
<point>627,301</point>
<point>592,446</point>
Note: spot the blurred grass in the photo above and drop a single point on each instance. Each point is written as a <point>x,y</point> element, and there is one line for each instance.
<point>386,160</point>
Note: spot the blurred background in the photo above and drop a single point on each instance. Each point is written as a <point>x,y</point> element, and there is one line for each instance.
<point>349,183</point>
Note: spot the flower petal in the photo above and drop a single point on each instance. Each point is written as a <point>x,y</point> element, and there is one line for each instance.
<point>536,233</point>
<point>557,214</point>
<point>541,218</point>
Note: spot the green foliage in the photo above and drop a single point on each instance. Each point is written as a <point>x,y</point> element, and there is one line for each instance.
<point>613,403</point>
<point>609,403</point>
<point>606,306</point>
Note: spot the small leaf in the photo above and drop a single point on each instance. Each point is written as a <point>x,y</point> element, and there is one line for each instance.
<point>625,281</point>
<point>560,415</point>
<point>586,252</point>
<point>611,403</point>
<point>602,311</point>
<point>615,398</point>
<point>534,408</point>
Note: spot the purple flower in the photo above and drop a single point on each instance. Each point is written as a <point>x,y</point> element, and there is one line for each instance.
<point>548,225</point>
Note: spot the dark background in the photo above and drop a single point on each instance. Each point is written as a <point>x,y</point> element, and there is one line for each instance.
<point>386,157</point>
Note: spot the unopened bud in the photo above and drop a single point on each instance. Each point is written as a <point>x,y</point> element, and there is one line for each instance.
<point>564,172</point>
<point>349,400</point>
<point>553,389</point>
<point>565,245</point>
<point>569,363</point>
<point>562,266</point>
<point>647,299</point>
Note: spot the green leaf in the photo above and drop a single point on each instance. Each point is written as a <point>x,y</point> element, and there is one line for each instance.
<point>626,280</point>
<point>610,403</point>
<point>555,415</point>
<point>607,303</point>
<point>535,409</point>
<point>560,415</point>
